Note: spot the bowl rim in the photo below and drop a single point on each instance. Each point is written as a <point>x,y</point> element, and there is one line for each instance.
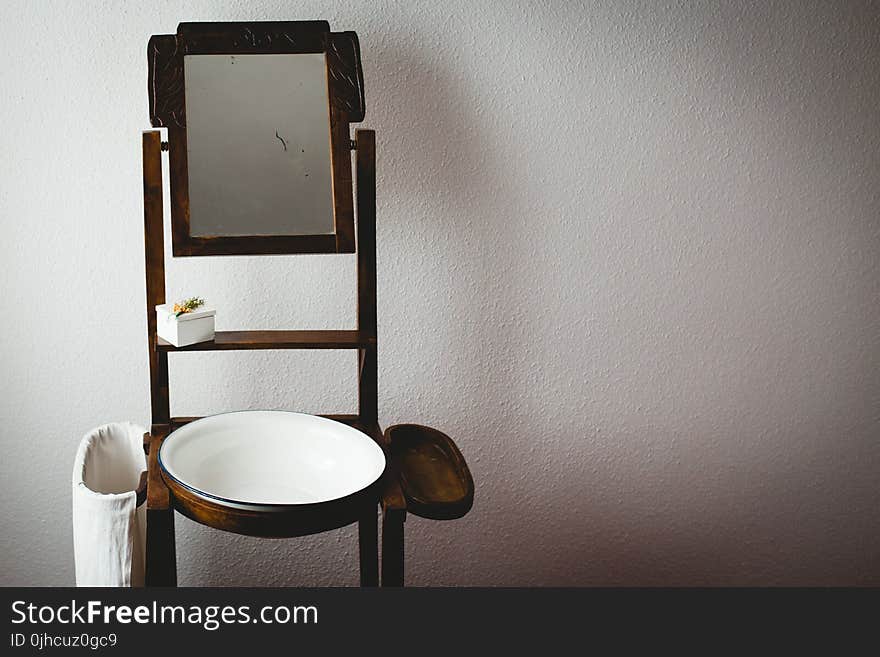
<point>274,506</point>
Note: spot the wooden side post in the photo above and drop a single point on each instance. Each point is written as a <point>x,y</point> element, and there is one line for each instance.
<point>161,566</point>
<point>393,509</point>
<point>368,396</point>
<point>154,262</point>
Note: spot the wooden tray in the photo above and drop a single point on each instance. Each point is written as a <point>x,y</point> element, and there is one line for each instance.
<point>433,474</point>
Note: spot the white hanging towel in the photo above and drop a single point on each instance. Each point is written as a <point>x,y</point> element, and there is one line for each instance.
<point>109,530</point>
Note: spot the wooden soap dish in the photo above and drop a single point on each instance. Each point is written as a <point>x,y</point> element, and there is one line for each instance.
<point>432,472</point>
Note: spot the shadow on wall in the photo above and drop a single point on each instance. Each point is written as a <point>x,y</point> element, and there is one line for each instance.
<point>601,330</point>
<point>679,444</point>
<point>436,168</point>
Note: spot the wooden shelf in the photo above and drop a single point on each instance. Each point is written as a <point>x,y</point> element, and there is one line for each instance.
<point>231,340</point>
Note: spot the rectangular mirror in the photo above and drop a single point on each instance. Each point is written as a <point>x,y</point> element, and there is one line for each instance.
<point>258,128</point>
<point>258,145</point>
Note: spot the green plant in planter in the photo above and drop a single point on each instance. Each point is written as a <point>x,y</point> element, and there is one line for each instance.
<point>188,306</point>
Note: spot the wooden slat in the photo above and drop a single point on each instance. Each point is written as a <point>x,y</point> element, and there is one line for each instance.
<point>154,265</point>
<point>253,244</point>
<point>179,421</point>
<point>368,389</point>
<point>366,230</point>
<point>232,340</point>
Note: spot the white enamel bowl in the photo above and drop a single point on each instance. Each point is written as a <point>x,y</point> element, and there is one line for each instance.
<point>262,460</point>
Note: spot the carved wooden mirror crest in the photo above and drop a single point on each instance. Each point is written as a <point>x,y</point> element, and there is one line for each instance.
<point>258,121</point>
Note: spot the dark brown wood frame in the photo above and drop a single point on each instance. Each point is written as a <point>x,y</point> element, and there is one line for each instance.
<point>163,499</point>
<point>166,90</point>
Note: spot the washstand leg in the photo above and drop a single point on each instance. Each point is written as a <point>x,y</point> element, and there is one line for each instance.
<point>368,545</point>
<point>161,565</point>
<point>161,551</point>
<point>392,547</point>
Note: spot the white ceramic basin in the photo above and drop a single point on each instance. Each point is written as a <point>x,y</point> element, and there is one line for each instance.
<point>253,459</point>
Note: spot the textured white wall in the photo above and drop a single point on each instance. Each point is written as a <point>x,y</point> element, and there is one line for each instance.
<point>628,258</point>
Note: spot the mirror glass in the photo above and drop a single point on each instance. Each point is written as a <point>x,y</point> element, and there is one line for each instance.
<point>258,144</point>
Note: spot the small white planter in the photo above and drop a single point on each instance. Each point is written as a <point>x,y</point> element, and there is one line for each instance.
<point>189,328</point>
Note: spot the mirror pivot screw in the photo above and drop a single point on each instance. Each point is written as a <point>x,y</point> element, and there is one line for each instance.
<point>164,145</point>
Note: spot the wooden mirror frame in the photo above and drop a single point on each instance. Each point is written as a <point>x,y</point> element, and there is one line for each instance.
<point>168,110</point>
